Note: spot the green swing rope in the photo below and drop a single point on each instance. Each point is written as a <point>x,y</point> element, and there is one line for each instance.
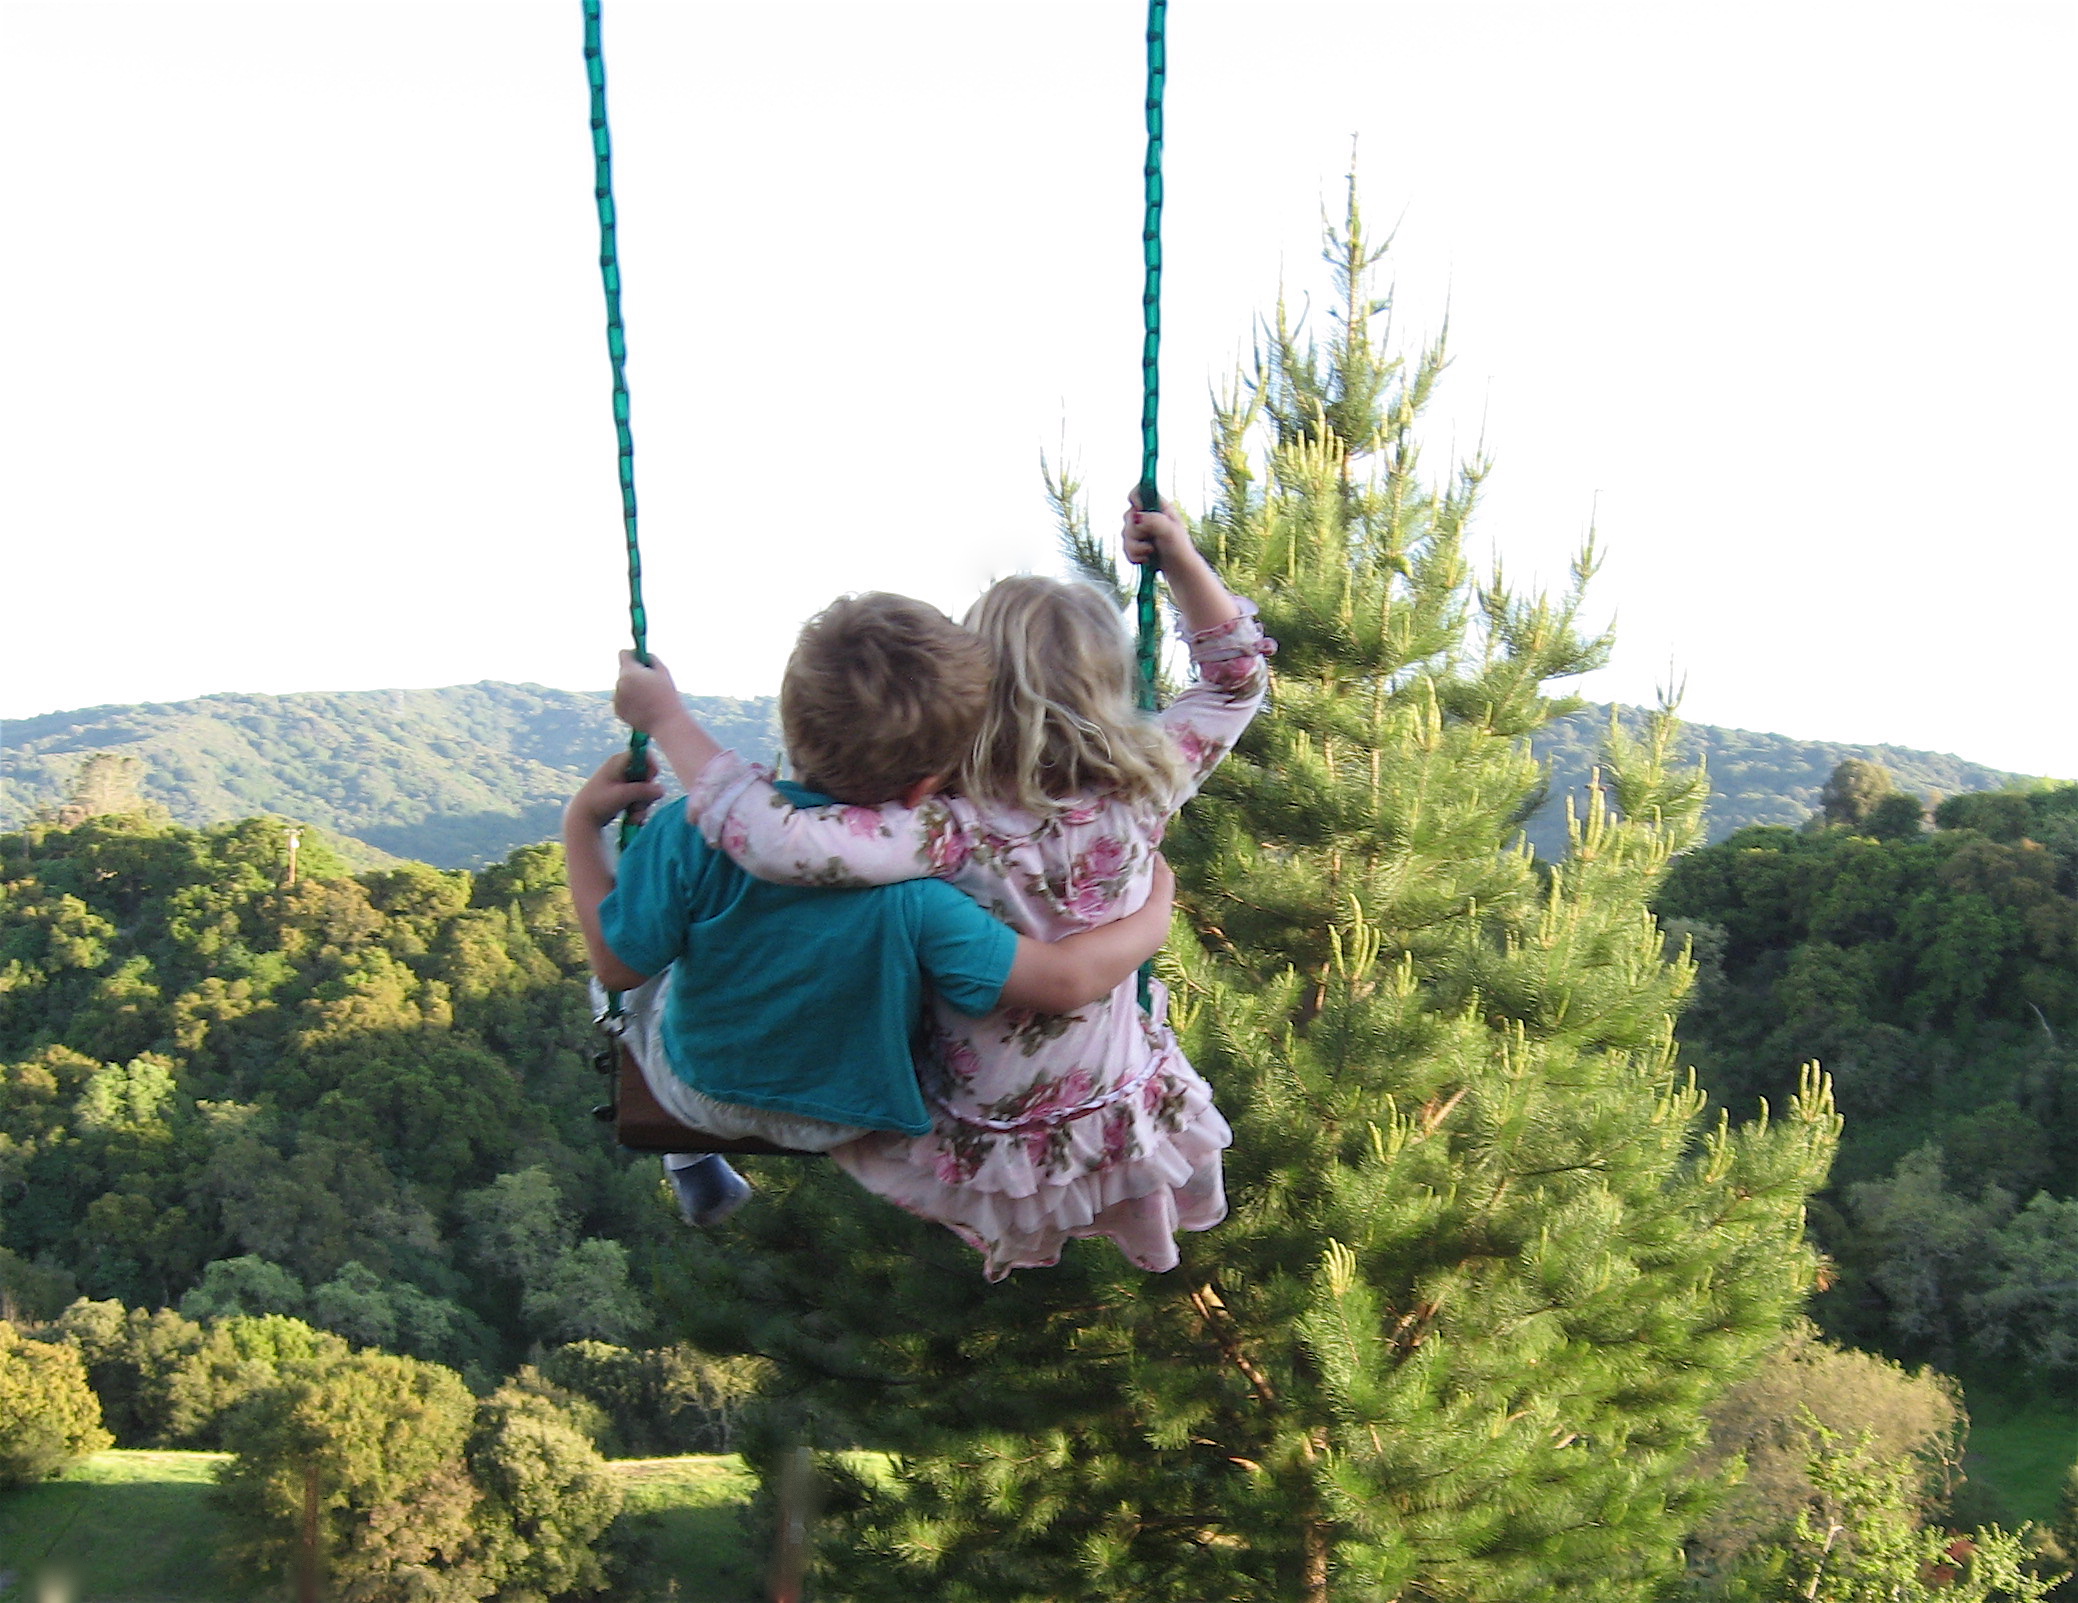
<point>624,435</point>
<point>617,349</point>
<point>1148,495</point>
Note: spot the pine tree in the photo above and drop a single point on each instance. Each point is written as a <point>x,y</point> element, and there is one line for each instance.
<point>1489,1255</point>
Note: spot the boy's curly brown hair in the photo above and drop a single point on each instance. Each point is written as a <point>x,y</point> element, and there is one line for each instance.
<point>881,691</point>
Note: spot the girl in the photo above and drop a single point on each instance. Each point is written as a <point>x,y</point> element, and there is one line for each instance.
<point>1044,1126</point>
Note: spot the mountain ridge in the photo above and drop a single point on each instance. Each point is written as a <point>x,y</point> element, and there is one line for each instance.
<point>460,775</point>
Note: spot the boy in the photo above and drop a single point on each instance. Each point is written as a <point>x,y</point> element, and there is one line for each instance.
<point>792,1009</point>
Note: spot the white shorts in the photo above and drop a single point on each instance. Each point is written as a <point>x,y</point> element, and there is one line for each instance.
<point>642,1013</point>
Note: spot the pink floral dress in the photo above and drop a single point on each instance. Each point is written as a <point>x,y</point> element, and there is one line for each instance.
<point>1046,1126</point>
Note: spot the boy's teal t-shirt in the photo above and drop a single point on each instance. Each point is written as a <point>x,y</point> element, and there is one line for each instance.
<point>798,998</point>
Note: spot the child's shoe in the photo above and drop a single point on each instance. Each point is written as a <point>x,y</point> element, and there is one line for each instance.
<point>708,1190</point>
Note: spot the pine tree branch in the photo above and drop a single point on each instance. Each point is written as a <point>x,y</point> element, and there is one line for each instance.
<point>1220,1323</point>
<point>1090,557</point>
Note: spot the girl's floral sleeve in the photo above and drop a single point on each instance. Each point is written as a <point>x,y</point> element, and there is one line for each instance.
<point>737,807</point>
<point>1231,682</point>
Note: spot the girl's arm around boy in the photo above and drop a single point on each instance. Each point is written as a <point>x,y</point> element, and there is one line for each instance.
<point>1045,976</point>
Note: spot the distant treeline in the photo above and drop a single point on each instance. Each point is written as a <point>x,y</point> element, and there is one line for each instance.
<point>1754,778</point>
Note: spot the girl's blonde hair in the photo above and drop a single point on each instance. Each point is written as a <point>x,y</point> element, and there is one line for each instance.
<point>1061,723</point>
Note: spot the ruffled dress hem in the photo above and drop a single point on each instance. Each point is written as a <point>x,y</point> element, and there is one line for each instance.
<point>1134,1169</point>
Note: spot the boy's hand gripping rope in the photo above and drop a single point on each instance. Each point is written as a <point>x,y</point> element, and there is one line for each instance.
<point>617,349</point>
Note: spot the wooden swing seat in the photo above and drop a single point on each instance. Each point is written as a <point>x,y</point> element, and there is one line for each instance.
<point>641,1125</point>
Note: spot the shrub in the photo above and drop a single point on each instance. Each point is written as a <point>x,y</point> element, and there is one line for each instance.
<point>547,1498</point>
<point>49,1416</point>
<point>1772,1422</point>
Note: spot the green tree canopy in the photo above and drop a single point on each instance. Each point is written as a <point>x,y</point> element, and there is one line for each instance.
<point>133,1358</point>
<point>1860,1539</point>
<point>375,1444</point>
<point>1765,1434</point>
<point>1935,974</point>
<point>225,1092</point>
<point>1854,791</point>
<point>656,1403</point>
<point>237,1358</point>
<point>547,1498</point>
<point>245,1285</point>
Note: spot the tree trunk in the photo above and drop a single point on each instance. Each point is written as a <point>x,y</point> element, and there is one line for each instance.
<point>306,1558</point>
<point>1316,1572</point>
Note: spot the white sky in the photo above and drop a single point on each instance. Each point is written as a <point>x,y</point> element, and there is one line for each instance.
<point>303,384</point>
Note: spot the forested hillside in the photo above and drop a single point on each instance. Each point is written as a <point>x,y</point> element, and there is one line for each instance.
<point>245,1123</point>
<point>459,777</point>
<point>359,1098</point>
<point>1931,964</point>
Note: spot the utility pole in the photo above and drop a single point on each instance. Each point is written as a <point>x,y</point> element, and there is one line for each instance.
<point>295,840</point>
<point>796,1514</point>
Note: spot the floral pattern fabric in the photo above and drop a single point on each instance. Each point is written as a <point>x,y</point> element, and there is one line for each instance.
<point>1045,1127</point>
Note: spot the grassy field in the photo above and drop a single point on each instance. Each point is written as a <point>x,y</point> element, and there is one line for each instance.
<point>680,1519</point>
<point>120,1525</point>
<point>2020,1452</point>
<point>135,1527</point>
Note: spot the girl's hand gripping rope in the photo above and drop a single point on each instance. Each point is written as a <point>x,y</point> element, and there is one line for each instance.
<point>1161,538</point>
<point>1157,537</point>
